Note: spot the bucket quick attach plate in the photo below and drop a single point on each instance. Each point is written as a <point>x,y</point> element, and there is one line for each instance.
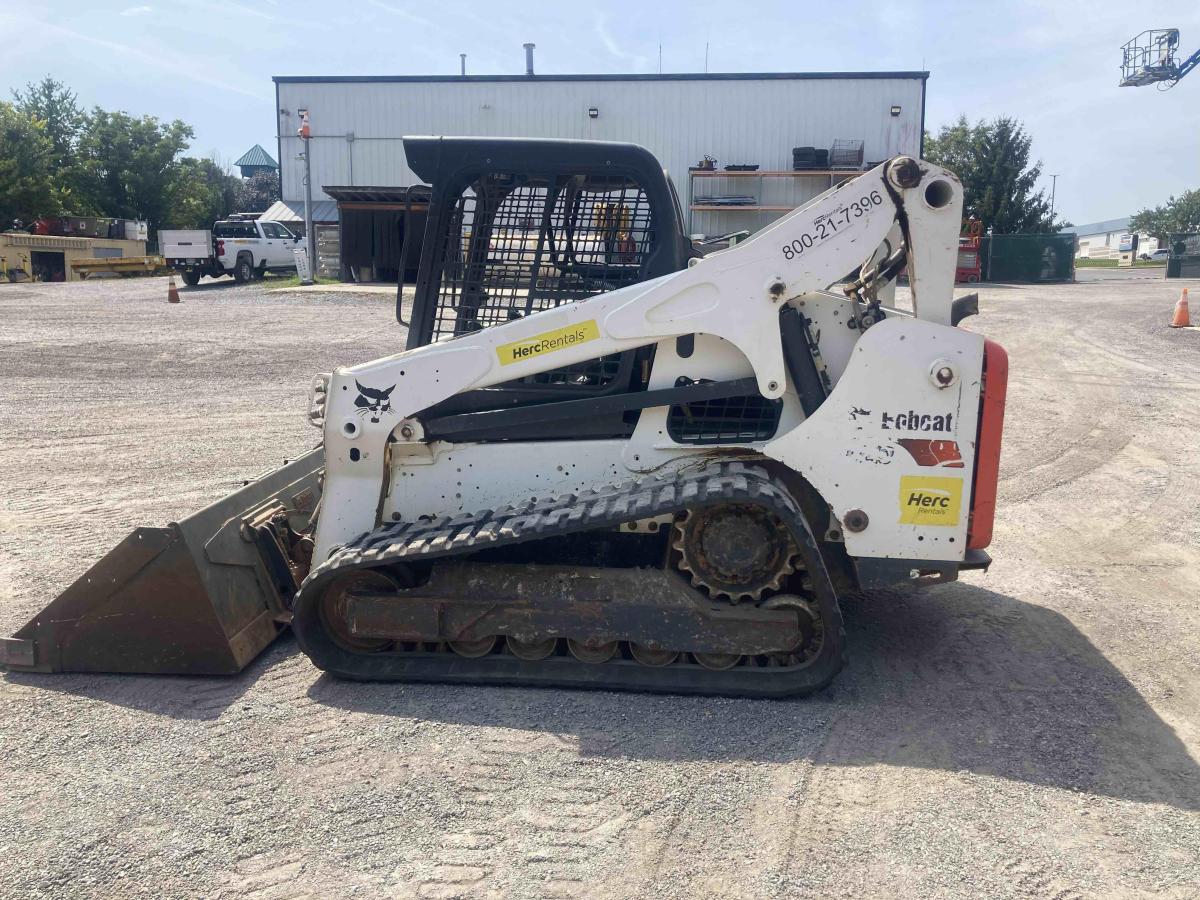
<point>194,598</point>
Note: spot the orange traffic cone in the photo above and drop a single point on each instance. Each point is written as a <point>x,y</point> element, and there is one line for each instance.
<point>172,291</point>
<point>1182,318</point>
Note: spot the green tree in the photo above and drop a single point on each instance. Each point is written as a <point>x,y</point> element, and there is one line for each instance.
<point>26,185</point>
<point>130,166</point>
<point>258,192</point>
<point>993,161</point>
<point>201,193</point>
<point>1178,215</point>
<point>54,104</point>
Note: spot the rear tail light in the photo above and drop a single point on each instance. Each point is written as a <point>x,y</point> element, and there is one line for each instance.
<point>987,446</point>
<point>220,248</point>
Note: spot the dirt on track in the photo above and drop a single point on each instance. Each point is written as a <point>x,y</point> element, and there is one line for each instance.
<point>1031,732</point>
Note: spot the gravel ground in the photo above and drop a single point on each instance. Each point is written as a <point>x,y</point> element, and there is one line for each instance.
<point>1032,732</point>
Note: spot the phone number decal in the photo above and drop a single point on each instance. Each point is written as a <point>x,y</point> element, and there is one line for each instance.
<point>830,225</point>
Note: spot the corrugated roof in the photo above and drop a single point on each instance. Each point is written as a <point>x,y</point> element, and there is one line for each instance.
<point>323,211</point>
<point>418,193</point>
<point>257,156</point>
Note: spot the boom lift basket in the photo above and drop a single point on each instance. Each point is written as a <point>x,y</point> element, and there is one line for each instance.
<point>1150,58</point>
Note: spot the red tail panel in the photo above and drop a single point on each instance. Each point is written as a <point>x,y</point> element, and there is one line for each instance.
<point>987,451</point>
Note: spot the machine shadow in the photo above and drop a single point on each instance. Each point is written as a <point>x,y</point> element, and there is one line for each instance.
<point>221,284</point>
<point>952,678</point>
<point>203,697</point>
<point>208,284</point>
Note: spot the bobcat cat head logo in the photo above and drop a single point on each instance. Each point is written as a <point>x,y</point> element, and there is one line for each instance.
<point>373,402</point>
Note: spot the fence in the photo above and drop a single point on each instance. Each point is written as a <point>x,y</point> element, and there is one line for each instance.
<point>1183,256</point>
<point>1029,257</point>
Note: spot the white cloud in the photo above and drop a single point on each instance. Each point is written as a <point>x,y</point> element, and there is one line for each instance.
<point>232,8</point>
<point>405,14</point>
<point>137,11</point>
<point>606,39</point>
<point>635,60</point>
<point>198,71</point>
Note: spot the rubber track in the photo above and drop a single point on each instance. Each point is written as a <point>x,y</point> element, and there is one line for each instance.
<point>606,507</point>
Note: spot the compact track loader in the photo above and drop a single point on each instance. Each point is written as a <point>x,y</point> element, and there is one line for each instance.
<point>605,459</point>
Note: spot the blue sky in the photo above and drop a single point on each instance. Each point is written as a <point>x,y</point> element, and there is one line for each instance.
<point>1051,64</point>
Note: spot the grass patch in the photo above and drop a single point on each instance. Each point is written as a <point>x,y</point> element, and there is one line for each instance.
<point>1112,263</point>
<point>292,281</point>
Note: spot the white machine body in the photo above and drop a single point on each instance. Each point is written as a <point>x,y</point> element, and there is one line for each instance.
<point>911,380</point>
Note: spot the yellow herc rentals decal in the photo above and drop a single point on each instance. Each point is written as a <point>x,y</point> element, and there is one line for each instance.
<point>925,500</point>
<point>547,342</point>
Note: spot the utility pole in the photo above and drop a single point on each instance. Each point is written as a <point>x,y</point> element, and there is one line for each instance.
<point>1053,189</point>
<point>305,133</point>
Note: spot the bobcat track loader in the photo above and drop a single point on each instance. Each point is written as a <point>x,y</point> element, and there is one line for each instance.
<point>604,460</point>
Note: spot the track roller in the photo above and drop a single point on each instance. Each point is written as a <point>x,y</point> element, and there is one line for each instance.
<point>593,651</point>
<point>531,650</point>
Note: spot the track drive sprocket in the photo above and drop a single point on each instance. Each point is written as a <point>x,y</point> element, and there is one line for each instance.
<point>735,551</point>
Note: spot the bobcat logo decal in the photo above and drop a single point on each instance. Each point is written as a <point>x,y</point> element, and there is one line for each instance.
<point>373,402</point>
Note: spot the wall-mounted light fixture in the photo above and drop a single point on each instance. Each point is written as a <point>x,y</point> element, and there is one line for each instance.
<point>895,110</point>
<point>593,112</point>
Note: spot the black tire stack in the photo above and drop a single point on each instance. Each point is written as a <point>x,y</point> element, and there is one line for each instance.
<point>804,158</point>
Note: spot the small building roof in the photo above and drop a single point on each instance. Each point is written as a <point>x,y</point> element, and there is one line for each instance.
<point>1108,225</point>
<point>323,211</point>
<point>419,193</point>
<point>257,156</point>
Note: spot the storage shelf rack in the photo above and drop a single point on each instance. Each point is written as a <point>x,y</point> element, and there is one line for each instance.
<point>832,175</point>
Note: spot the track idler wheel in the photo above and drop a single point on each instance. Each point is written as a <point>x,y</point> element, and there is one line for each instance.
<point>811,629</point>
<point>333,608</point>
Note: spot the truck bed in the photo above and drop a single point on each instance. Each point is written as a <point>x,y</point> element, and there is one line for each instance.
<point>185,244</point>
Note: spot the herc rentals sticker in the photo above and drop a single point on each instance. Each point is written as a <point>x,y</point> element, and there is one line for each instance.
<point>925,500</point>
<point>547,342</point>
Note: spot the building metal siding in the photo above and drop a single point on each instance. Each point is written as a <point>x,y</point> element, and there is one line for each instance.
<point>357,124</point>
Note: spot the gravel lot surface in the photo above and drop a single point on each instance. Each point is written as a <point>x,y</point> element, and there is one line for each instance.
<point>1032,732</point>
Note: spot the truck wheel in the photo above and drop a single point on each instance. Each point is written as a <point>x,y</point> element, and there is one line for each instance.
<point>243,270</point>
<point>191,277</point>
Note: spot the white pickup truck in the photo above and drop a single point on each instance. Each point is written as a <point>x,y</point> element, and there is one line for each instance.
<point>244,249</point>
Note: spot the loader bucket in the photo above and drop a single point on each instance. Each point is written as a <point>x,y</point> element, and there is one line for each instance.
<point>200,597</point>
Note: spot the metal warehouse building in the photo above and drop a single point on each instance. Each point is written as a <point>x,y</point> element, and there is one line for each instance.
<point>739,119</point>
